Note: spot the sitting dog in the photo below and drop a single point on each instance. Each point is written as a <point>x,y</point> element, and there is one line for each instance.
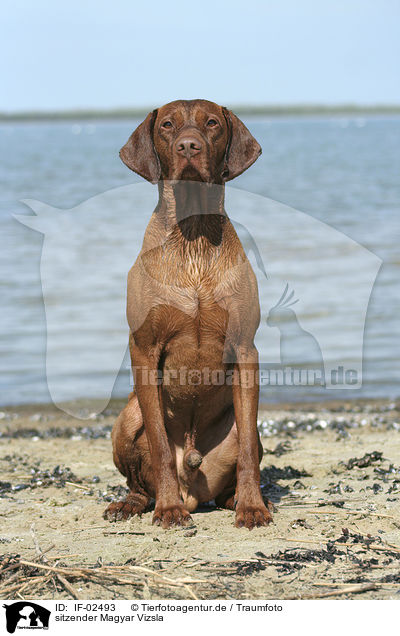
<point>188,434</point>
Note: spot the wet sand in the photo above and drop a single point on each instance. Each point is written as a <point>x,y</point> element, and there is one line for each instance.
<point>332,471</point>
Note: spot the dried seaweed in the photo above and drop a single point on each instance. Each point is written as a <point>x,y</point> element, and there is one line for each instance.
<point>37,477</point>
<point>301,555</point>
<point>281,449</point>
<point>363,462</point>
<point>353,538</point>
<point>272,473</point>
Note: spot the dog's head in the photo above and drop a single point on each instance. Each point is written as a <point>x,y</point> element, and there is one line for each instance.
<point>193,140</point>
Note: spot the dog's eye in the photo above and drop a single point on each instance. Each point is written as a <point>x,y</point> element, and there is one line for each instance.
<point>212,123</point>
<point>167,124</point>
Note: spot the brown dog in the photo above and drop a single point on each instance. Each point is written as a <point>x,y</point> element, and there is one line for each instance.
<point>189,431</point>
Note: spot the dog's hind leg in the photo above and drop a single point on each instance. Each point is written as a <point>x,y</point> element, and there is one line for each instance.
<point>132,458</point>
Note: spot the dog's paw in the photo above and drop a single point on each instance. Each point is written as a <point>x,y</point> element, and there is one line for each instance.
<point>168,516</point>
<point>252,516</point>
<point>123,510</point>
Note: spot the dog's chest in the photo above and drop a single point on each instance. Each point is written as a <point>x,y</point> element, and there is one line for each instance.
<point>183,292</point>
<point>196,320</point>
<point>195,333</point>
<point>188,275</point>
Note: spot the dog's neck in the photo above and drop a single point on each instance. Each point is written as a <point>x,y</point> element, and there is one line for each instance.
<point>192,209</point>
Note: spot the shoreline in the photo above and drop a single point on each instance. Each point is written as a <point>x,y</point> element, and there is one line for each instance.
<point>278,110</point>
<point>115,405</point>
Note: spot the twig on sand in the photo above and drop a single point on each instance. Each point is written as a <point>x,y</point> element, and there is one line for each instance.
<point>392,545</point>
<point>72,483</point>
<point>297,540</point>
<point>382,548</point>
<point>104,527</point>
<point>38,550</point>
<point>353,589</point>
<point>59,557</point>
<point>321,511</point>
<point>108,532</point>
<point>59,576</point>
<point>378,583</point>
<point>68,587</point>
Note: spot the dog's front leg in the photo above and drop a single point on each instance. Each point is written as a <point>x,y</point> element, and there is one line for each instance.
<point>169,509</point>
<point>250,508</point>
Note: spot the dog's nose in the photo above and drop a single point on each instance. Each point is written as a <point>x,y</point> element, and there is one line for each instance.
<point>188,146</point>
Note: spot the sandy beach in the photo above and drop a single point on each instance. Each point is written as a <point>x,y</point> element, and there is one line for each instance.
<point>331,470</point>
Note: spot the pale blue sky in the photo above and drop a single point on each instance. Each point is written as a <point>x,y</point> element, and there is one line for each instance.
<point>97,54</point>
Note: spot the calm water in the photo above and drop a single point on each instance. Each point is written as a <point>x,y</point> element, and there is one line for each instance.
<point>342,172</point>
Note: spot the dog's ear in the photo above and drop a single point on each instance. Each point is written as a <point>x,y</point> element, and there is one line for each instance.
<point>242,149</point>
<point>139,153</point>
